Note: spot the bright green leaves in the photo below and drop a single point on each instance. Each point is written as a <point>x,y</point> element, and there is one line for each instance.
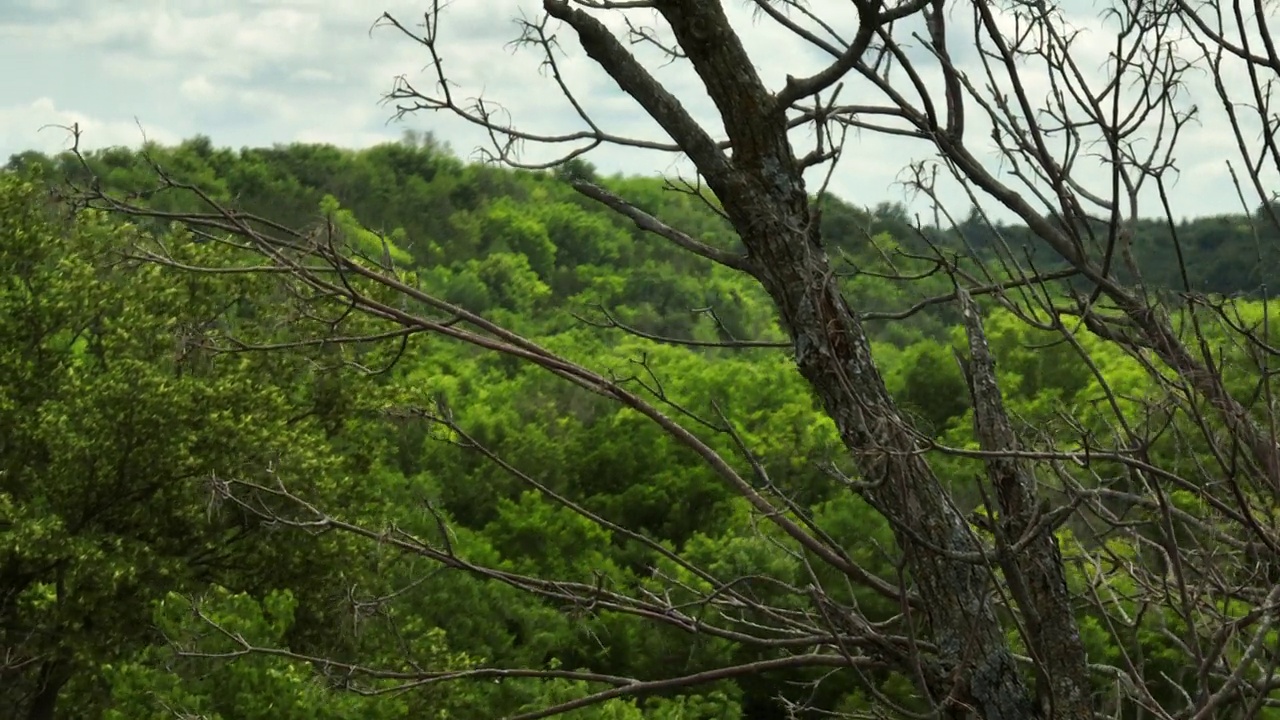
<point>510,281</point>
<point>925,378</point>
<point>509,228</point>
<point>116,418</point>
<point>159,683</point>
<point>361,240</point>
<point>524,529</point>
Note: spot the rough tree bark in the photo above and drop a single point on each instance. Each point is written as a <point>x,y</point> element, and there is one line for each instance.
<point>762,189</point>
<point>964,595</point>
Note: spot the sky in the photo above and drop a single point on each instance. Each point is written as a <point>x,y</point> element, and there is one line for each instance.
<point>261,72</point>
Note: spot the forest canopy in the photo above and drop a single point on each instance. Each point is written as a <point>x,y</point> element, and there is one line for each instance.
<point>518,245</point>
<point>307,431</point>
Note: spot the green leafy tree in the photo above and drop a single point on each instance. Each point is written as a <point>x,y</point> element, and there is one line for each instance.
<point>121,429</point>
<point>1092,535</point>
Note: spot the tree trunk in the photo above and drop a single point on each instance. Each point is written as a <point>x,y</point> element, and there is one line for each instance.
<point>763,192</point>
<point>761,187</point>
<point>44,703</point>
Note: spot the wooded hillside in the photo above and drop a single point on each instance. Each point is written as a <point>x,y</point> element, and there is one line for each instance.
<point>137,581</point>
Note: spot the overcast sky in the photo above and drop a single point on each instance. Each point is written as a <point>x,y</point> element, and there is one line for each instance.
<point>259,72</point>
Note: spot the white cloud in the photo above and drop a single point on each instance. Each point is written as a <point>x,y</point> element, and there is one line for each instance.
<point>199,89</point>
<point>258,72</point>
<point>312,75</point>
<point>41,125</point>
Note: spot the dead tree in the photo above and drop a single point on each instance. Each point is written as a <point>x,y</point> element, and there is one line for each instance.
<point>1077,158</point>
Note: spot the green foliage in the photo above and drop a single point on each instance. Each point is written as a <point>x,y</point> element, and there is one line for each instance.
<point>116,423</point>
<point>118,426</point>
<point>253,687</point>
<point>360,239</point>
